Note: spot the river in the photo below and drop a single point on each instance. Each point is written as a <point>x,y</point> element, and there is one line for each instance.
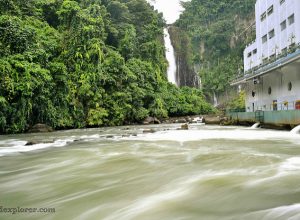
<point>206,172</point>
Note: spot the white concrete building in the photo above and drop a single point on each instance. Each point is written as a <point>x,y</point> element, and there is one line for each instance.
<point>272,62</point>
<point>277,29</point>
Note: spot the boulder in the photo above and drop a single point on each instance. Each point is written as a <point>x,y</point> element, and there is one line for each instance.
<point>30,143</point>
<point>149,131</point>
<point>151,120</point>
<point>156,121</point>
<point>189,119</point>
<point>212,120</point>
<point>184,127</point>
<point>224,121</point>
<point>182,120</point>
<point>40,128</point>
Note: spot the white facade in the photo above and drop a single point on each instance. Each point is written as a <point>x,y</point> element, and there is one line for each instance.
<point>272,61</point>
<point>279,90</point>
<point>277,29</point>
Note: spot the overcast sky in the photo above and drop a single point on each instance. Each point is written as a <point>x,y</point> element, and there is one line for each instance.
<point>170,8</point>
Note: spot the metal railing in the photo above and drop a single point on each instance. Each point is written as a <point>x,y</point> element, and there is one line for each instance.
<point>282,106</point>
<point>276,61</point>
<point>259,116</point>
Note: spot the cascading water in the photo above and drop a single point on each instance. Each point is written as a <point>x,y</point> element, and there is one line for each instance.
<point>296,130</point>
<point>256,125</point>
<point>215,100</point>
<point>171,12</point>
<point>170,55</point>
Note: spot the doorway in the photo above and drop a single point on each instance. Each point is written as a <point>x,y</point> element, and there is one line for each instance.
<point>275,105</point>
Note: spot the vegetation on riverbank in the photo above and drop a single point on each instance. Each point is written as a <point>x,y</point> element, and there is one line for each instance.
<point>73,64</point>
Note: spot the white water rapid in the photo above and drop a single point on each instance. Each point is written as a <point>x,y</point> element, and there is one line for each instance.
<point>256,125</point>
<point>127,173</point>
<point>296,130</point>
<point>170,55</point>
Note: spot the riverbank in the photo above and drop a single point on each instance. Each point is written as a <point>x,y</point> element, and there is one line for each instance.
<point>287,121</point>
<point>269,120</point>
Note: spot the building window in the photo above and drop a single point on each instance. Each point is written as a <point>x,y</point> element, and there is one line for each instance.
<point>249,54</point>
<point>270,10</point>
<point>263,16</point>
<point>283,25</point>
<point>253,93</point>
<point>254,51</point>
<point>264,39</point>
<point>290,86</point>
<point>291,19</point>
<point>281,2</point>
<point>271,34</point>
<point>270,90</point>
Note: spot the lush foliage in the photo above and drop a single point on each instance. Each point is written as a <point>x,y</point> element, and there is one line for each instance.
<point>78,63</point>
<point>238,103</point>
<point>216,35</point>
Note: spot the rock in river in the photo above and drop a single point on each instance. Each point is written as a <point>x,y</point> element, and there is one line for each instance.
<point>184,127</point>
<point>151,120</point>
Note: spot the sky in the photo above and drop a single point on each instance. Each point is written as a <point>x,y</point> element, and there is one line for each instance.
<point>170,8</point>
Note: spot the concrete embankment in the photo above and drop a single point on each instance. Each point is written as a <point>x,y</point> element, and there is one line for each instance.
<point>283,120</point>
<point>268,119</point>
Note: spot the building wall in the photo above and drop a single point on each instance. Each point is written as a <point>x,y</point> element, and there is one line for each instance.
<point>278,83</point>
<point>276,118</point>
<point>282,39</point>
<point>253,60</point>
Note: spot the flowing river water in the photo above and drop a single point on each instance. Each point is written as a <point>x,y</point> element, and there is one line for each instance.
<point>206,172</point>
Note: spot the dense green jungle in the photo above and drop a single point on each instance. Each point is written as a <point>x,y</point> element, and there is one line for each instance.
<point>89,63</point>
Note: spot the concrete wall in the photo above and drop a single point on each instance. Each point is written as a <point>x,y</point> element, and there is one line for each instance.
<point>242,116</point>
<point>278,83</point>
<point>282,39</point>
<point>278,118</point>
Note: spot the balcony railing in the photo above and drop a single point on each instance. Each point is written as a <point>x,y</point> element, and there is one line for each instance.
<point>271,63</point>
<point>282,106</point>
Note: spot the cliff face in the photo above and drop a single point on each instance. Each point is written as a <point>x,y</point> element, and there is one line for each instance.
<point>209,39</point>
<point>185,72</point>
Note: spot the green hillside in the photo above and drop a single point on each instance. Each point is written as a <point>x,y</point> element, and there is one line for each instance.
<point>214,35</point>
<point>85,63</point>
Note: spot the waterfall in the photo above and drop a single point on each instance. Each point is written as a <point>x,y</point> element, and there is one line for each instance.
<point>296,130</point>
<point>170,55</point>
<point>256,125</point>
<point>215,100</point>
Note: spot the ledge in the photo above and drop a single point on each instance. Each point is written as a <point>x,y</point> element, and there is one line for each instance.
<point>267,68</point>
